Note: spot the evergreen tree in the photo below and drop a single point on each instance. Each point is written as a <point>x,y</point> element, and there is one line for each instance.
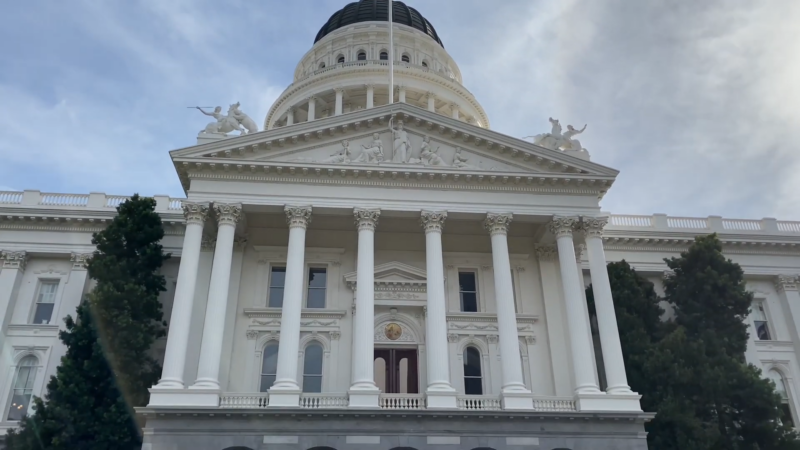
<point>107,368</point>
<point>691,370</point>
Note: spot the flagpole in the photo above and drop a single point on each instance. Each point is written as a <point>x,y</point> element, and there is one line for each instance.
<point>391,54</point>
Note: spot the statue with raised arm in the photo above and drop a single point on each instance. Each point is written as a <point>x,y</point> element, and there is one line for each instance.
<point>402,145</point>
<point>232,122</point>
<point>574,144</point>
<point>460,161</point>
<point>556,140</point>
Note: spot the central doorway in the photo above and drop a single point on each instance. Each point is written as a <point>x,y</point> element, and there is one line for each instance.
<point>396,370</point>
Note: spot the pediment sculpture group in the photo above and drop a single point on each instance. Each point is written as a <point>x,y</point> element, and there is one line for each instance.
<point>559,140</point>
<point>402,151</point>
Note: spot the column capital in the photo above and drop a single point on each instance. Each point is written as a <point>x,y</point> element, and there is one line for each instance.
<point>312,98</point>
<point>433,221</point>
<point>430,95</point>
<point>786,283</point>
<point>291,109</point>
<point>563,226</point>
<point>547,252</point>
<point>80,260</point>
<point>366,219</point>
<point>14,259</point>
<point>195,213</point>
<point>228,213</point>
<point>454,105</point>
<point>593,226</point>
<point>497,223</point>
<point>338,90</point>
<point>252,335</point>
<point>298,216</point>
<point>369,85</point>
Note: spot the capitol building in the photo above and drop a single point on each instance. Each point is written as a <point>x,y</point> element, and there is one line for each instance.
<point>370,266</point>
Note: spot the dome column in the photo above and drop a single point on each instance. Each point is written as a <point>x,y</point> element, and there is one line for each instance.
<point>290,116</point>
<point>401,93</point>
<point>431,101</point>
<point>370,95</point>
<point>312,108</point>
<point>339,97</point>
<point>454,109</point>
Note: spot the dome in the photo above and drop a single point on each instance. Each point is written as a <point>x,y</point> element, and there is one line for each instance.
<point>377,11</point>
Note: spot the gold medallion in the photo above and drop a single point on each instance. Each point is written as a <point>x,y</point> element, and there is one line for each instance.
<point>393,331</point>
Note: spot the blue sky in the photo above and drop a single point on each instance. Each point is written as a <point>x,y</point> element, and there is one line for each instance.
<point>696,103</point>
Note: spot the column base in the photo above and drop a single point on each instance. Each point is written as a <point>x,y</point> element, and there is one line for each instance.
<point>608,402</point>
<point>284,398</point>
<point>517,400</point>
<point>442,399</point>
<point>363,398</point>
<point>184,397</point>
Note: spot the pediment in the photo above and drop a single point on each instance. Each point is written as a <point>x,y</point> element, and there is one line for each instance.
<point>393,273</point>
<point>351,144</point>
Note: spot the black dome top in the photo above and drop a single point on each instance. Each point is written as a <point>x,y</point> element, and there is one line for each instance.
<point>377,11</point>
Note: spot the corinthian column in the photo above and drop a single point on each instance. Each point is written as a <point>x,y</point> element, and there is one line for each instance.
<point>604,305</point>
<point>286,391</point>
<point>515,395</point>
<point>312,108</point>
<point>363,392</point>
<point>182,305</point>
<point>370,95</point>
<point>580,336</point>
<point>228,216</point>
<point>338,107</point>
<point>441,394</point>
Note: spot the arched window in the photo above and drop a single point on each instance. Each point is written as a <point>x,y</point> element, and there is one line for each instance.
<point>322,65</point>
<point>340,59</point>
<point>473,378</point>
<point>384,56</point>
<point>424,64</point>
<point>312,369</point>
<point>405,58</point>
<point>780,389</point>
<point>362,56</point>
<point>22,389</point>
<point>269,366</point>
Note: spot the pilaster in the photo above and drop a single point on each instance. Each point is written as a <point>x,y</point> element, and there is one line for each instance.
<point>13,268</point>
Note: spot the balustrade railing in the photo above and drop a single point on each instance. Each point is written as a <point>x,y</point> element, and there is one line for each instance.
<point>741,225</point>
<point>244,401</point>
<point>478,403</point>
<point>402,401</point>
<point>113,201</point>
<point>397,65</point>
<point>64,200</point>
<point>322,401</point>
<point>565,404</point>
<point>687,222</point>
<point>175,203</point>
<point>631,221</point>
<point>9,197</point>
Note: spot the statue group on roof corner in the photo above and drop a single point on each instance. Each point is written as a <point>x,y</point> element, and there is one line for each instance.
<point>236,120</point>
<point>558,140</point>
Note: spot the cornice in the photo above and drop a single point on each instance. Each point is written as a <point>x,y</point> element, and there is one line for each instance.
<point>789,246</point>
<point>36,219</point>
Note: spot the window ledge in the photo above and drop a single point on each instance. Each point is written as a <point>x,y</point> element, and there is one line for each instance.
<point>275,313</point>
<point>775,344</point>
<point>30,329</point>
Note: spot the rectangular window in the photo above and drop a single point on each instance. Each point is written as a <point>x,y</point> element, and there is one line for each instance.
<point>468,291</point>
<point>317,283</point>
<point>45,302</point>
<point>277,280</point>
<point>760,322</point>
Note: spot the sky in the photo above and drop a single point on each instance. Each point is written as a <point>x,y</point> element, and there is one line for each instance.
<point>696,103</point>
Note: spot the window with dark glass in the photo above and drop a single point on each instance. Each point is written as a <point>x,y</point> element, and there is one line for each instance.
<point>45,302</point>
<point>362,56</point>
<point>468,291</point>
<point>22,390</point>
<point>760,321</point>
<point>322,65</point>
<point>277,281</point>
<point>317,283</point>
<point>340,59</point>
<point>405,58</point>
<point>269,366</point>
<point>780,388</point>
<point>384,56</point>
<point>473,378</point>
<point>424,64</point>
<point>312,369</point>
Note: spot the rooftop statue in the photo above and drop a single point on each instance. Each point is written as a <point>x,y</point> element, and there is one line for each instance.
<point>556,140</point>
<point>235,120</point>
